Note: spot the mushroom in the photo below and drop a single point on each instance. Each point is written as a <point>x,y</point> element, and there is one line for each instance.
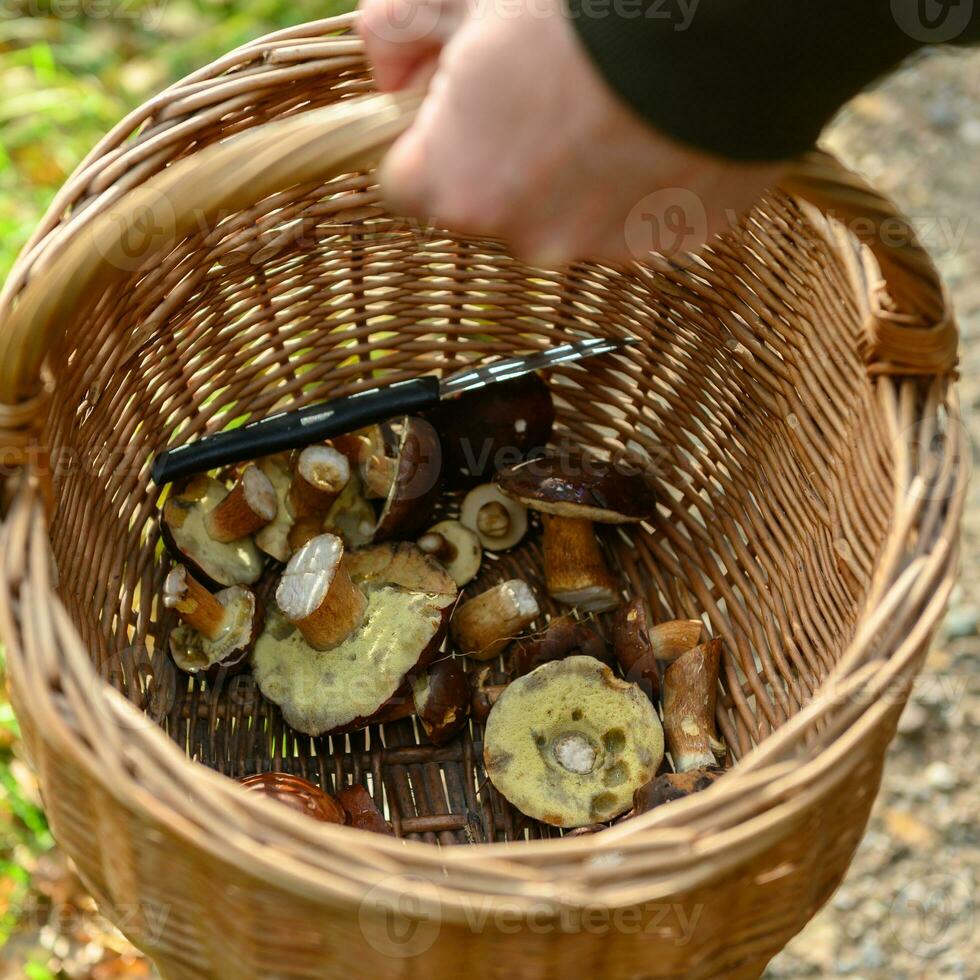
<point>569,743</point>
<point>483,694</point>
<point>378,465</point>
<point>217,629</point>
<point>456,547</point>
<point>491,427</point>
<point>690,689</point>
<point>561,638</point>
<point>362,812</point>
<point>249,506</point>
<point>302,531</point>
<point>442,699</point>
<point>352,516</point>
<point>499,521</point>
<point>485,624</point>
<point>639,647</point>
<point>673,786</point>
<point>572,492</point>
<point>317,595</point>
<point>401,563</point>
<point>321,474</point>
<point>184,531</point>
<point>298,794</point>
<point>365,678</point>
<point>273,539</point>
<point>415,487</point>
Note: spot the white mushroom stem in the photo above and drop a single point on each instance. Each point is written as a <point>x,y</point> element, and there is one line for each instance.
<point>321,474</point>
<point>249,506</point>
<point>485,624</point>
<point>499,521</point>
<point>436,544</point>
<point>195,605</point>
<point>575,570</point>
<point>317,595</point>
<point>689,694</point>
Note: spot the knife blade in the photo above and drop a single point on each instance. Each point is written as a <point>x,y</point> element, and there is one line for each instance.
<point>315,423</point>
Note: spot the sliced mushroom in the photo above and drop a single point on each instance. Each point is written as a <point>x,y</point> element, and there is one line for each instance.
<point>485,624</point>
<point>298,794</point>
<point>442,699</point>
<point>321,474</point>
<point>495,426</point>
<point>403,564</point>
<point>456,547</point>
<point>579,485</point>
<point>273,539</point>
<point>352,685</point>
<point>352,516</point>
<point>317,595</point>
<point>184,532</point>
<point>499,521</point>
<point>569,743</point>
<point>690,691</point>
<point>416,485</point>
<point>217,629</point>
<point>249,506</point>
<point>378,463</point>
<point>562,638</point>
<point>673,786</point>
<point>575,570</point>
<point>362,812</point>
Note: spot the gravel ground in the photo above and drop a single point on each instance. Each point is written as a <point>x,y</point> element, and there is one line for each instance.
<point>908,908</point>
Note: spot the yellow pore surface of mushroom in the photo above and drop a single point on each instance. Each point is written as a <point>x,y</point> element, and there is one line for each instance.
<point>192,651</point>
<point>569,743</point>
<point>340,689</point>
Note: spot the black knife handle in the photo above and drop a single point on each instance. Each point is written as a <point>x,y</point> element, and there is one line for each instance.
<point>291,430</point>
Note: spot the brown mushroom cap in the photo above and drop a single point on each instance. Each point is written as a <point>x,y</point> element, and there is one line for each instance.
<point>184,532</point>
<point>418,478</point>
<point>298,794</point>
<point>563,637</point>
<point>362,811</point>
<point>673,786</point>
<point>579,485</point>
<point>455,547</point>
<point>498,521</point>
<point>569,743</point>
<point>401,563</point>
<point>348,687</point>
<point>442,699</point>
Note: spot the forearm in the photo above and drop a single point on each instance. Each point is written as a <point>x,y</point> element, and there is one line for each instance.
<point>755,79</point>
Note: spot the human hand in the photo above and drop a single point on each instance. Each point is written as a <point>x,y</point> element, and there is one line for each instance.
<point>520,139</point>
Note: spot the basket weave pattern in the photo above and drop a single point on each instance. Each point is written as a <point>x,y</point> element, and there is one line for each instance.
<point>793,390</point>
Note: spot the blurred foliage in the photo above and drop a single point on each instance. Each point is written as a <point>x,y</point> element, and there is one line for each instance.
<point>71,69</point>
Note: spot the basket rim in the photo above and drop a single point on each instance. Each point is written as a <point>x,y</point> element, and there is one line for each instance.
<point>53,678</point>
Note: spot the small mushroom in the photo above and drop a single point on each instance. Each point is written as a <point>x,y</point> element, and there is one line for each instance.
<point>321,474</point>
<point>690,690</point>
<point>499,521</point>
<point>298,794</point>
<point>366,678</point>
<point>456,547</point>
<point>362,812</point>
<point>442,700</point>
<point>217,629</point>
<point>317,595</point>
<point>183,527</point>
<point>485,624</point>
<point>673,786</point>
<point>483,694</point>
<point>249,506</point>
<point>495,426</point>
<point>569,743</point>
<point>403,564</point>
<point>273,539</point>
<point>562,637</point>
<point>575,570</point>
<point>415,487</point>
<point>639,647</point>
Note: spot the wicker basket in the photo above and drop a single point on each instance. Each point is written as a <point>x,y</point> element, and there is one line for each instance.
<point>222,252</point>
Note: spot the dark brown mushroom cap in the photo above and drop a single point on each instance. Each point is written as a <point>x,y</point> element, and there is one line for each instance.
<point>442,699</point>
<point>418,478</point>
<point>673,786</point>
<point>298,794</point>
<point>362,811</point>
<point>579,485</point>
<point>562,637</point>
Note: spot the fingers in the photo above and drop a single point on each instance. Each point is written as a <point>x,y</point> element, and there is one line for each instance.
<point>403,38</point>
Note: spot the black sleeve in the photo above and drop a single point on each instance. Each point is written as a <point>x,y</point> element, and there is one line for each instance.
<point>757,79</point>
